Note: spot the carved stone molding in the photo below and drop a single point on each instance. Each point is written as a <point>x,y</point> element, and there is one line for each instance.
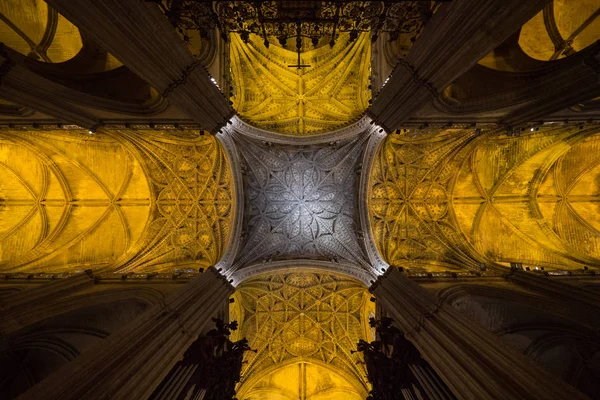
<point>345,133</point>
<point>296,316</point>
<point>378,265</point>
<point>232,154</point>
<point>345,268</point>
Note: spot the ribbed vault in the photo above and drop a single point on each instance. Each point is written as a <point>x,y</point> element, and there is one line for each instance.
<point>124,200</point>
<point>563,28</point>
<point>451,200</point>
<point>33,28</point>
<point>301,101</point>
<point>301,202</point>
<point>304,325</point>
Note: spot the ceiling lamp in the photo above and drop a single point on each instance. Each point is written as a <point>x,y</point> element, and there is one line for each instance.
<point>313,20</point>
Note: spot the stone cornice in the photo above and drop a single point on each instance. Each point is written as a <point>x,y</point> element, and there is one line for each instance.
<point>345,268</point>
<point>341,134</point>
<point>225,137</point>
<point>378,265</point>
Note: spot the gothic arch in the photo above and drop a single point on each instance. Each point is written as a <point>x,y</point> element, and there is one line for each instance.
<point>324,381</point>
<point>273,96</point>
<point>58,196</point>
<point>537,326</point>
<point>35,29</point>
<point>100,295</point>
<point>42,348</point>
<point>536,302</point>
<point>561,29</point>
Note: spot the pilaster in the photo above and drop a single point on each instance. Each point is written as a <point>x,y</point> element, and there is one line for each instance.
<point>132,362</point>
<point>473,362</point>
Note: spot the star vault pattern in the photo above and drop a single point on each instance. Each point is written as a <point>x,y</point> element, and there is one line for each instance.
<point>300,202</point>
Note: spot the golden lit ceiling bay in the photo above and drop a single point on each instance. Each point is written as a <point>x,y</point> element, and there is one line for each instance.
<point>304,326</point>
<point>123,201</point>
<point>451,200</point>
<point>307,93</point>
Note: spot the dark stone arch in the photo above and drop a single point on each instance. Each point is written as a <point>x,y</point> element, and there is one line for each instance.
<point>35,352</point>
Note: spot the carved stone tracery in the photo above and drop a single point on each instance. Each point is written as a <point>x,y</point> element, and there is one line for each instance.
<point>331,93</point>
<point>302,317</point>
<point>300,202</point>
<point>119,200</point>
<point>440,201</point>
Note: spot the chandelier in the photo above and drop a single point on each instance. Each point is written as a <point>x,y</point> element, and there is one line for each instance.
<point>285,19</point>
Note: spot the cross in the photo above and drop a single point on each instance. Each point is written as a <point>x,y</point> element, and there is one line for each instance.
<point>299,65</point>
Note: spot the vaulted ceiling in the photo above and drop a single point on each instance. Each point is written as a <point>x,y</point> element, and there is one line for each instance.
<point>301,201</point>
<point>120,201</point>
<point>443,199</point>
<point>303,192</point>
<point>328,92</point>
<point>303,325</point>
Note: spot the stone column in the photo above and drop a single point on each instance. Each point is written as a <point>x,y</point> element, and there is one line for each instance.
<point>29,301</point>
<point>431,382</point>
<point>21,85</point>
<point>455,39</point>
<point>473,362</point>
<point>132,362</point>
<point>141,37</point>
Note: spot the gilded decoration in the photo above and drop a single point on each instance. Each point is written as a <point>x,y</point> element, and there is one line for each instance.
<point>300,202</point>
<point>303,326</point>
<point>448,200</point>
<point>126,201</point>
<point>332,92</point>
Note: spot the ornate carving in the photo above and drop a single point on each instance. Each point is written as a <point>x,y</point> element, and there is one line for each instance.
<point>302,316</point>
<point>409,201</point>
<point>330,94</point>
<point>300,202</point>
<point>121,200</point>
<point>216,363</point>
<point>363,125</point>
<point>442,201</point>
<point>183,79</point>
<point>68,201</point>
<point>192,182</point>
<point>378,265</point>
<point>391,362</point>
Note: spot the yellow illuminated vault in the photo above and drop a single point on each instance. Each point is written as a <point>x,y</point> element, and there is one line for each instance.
<point>125,201</point>
<point>330,93</point>
<point>303,326</point>
<point>449,200</point>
